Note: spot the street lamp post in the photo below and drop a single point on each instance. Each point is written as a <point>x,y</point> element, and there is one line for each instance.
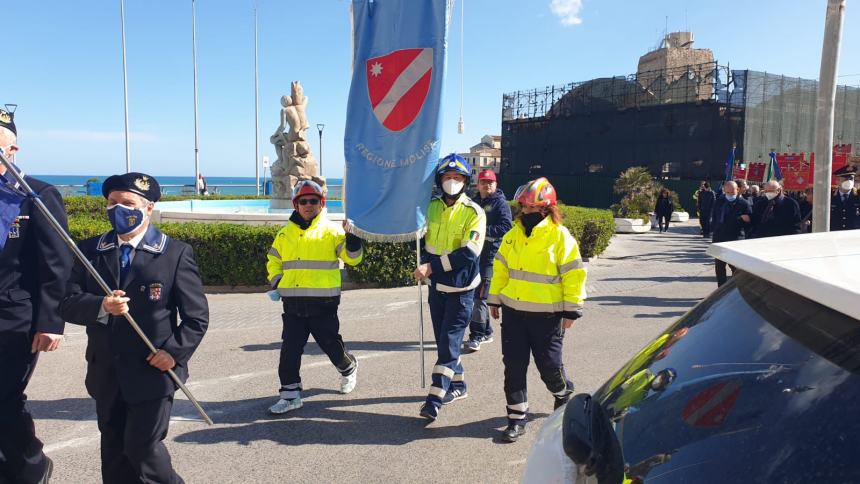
<point>320,127</point>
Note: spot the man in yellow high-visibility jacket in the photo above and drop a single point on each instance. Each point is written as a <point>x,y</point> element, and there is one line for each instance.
<point>304,271</point>
<point>452,248</point>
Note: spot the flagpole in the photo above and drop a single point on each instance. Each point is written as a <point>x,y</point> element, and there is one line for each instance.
<point>95,275</point>
<point>256,104</point>
<point>420,310</point>
<point>194,61</point>
<point>125,86</point>
<point>825,110</point>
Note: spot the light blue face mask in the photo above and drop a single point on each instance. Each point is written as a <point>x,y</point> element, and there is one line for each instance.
<point>731,198</point>
<point>125,219</point>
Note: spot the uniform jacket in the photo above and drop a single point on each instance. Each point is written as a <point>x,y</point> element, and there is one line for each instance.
<point>499,222</point>
<point>845,215</point>
<point>726,223</point>
<point>34,267</point>
<point>542,272</point>
<point>784,217</point>
<point>303,265</point>
<point>452,244</point>
<point>167,301</point>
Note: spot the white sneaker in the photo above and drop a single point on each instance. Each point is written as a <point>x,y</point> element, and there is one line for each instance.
<point>284,406</point>
<point>347,383</point>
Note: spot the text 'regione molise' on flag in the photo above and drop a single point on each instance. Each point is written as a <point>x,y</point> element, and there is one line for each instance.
<point>393,120</point>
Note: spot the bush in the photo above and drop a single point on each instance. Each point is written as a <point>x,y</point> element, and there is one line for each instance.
<point>235,255</point>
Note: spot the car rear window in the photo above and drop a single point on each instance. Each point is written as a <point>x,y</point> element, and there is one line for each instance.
<point>755,384</point>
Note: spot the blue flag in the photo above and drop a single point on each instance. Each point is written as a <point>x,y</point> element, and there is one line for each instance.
<point>393,117</point>
<point>10,207</point>
<point>730,164</point>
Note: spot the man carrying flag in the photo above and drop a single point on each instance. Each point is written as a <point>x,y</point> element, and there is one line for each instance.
<point>34,267</point>
<point>452,249</point>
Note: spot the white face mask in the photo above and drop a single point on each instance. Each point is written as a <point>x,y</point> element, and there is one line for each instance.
<point>731,198</point>
<point>770,195</point>
<point>847,185</point>
<point>452,187</point>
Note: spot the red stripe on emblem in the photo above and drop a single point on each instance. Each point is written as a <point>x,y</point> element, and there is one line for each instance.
<point>405,110</point>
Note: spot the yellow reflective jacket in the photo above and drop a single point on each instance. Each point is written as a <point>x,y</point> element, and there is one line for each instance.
<point>304,263</point>
<point>453,243</point>
<point>541,273</point>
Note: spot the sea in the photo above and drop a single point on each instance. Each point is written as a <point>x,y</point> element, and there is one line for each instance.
<point>170,185</point>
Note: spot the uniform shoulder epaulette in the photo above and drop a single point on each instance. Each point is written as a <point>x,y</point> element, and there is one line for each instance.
<point>474,206</point>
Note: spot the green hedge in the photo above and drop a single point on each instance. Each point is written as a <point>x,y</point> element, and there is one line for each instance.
<point>235,255</point>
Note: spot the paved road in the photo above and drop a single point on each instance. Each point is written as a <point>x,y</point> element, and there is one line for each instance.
<point>638,287</point>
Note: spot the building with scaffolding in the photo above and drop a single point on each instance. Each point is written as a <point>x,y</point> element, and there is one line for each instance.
<point>680,115</point>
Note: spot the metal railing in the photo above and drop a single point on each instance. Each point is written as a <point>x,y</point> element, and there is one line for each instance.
<point>334,191</point>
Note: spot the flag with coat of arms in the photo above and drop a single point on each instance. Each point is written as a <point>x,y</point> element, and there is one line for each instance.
<point>393,123</point>
<point>11,198</point>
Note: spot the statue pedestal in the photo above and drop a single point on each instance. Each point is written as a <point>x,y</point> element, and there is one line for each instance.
<point>281,203</point>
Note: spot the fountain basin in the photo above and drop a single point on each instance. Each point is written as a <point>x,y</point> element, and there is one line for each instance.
<point>248,212</point>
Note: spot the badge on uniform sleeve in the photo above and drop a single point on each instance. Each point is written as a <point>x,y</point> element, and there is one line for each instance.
<point>474,236</point>
<point>155,292</point>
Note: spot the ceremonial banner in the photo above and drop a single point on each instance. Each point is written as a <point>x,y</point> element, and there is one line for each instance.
<point>393,119</point>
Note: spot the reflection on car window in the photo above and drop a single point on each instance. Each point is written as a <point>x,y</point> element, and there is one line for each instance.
<point>756,384</point>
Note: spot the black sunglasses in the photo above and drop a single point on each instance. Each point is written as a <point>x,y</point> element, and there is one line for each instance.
<point>312,201</point>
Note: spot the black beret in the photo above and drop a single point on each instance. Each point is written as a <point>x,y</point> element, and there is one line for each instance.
<point>7,120</point>
<point>847,171</point>
<point>139,183</point>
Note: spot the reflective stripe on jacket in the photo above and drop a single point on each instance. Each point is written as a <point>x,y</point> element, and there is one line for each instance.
<point>542,273</point>
<point>304,263</point>
<point>453,242</point>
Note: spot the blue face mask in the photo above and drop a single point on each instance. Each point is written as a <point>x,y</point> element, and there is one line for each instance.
<point>731,198</point>
<point>125,219</point>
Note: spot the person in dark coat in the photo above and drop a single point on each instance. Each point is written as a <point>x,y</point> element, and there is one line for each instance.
<point>499,222</point>
<point>705,204</point>
<point>34,266</point>
<point>845,202</point>
<point>159,284</point>
<point>775,214</point>
<point>663,210</point>
<point>805,205</point>
<point>730,217</point>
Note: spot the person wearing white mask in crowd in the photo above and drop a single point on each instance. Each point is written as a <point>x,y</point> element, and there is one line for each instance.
<point>730,219</point>
<point>450,257</point>
<point>775,214</point>
<point>845,202</point>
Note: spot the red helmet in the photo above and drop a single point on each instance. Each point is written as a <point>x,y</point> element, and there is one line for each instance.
<point>307,187</point>
<point>538,193</point>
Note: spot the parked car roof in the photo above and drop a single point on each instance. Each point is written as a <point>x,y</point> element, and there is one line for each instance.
<point>824,267</point>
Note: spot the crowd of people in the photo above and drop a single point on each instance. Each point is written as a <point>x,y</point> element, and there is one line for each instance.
<point>742,211</point>
<point>478,260</point>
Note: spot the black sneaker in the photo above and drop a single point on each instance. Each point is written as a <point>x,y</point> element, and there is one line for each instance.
<point>429,411</point>
<point>560,402</point>
<point>513,432</point>
<point>454,395</point>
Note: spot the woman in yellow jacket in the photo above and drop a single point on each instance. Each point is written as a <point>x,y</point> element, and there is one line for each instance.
<point>539,282</point>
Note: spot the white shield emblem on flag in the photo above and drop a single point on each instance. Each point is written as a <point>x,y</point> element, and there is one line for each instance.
<point>398,83</point>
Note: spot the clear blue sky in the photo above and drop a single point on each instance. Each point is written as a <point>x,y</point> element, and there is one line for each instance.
<point>64,68</point>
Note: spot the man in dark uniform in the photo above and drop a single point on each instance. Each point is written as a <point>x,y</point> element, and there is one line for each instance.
<point>34,266</point>
<point>730,217</point>
<point>845,202</point>
<point>160,286</point>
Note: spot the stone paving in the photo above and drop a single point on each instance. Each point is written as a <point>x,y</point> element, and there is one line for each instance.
<point>640,285</point>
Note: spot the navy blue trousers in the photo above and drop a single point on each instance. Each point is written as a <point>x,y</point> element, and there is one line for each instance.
<point>450,313</point>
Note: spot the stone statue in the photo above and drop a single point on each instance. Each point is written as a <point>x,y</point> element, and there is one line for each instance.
<point>295,161</point>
